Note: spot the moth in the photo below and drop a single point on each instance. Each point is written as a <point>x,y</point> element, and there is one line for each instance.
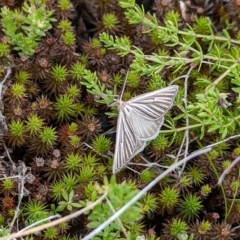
<point>140,120</point>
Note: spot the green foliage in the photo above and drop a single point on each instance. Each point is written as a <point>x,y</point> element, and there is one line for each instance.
<point>68,202</point>
<point>50,233</point>
<point>34,211</point>
<point>147,176</point>
<point>2,220</point>
<point>168,198</point>
<point>64,5</point>
<point>72,162</point>
<point>18,91</point>
<point>204,64</point>
<point>94,87</point>
<point>90,160</point>
<point>56,190</point>
<point>149,203</point>
<point>133,80</point>
<point>4,49</point>
<point>68,38</point>
<point>73,91</point>
<point>65,108</point>
<point>55,84</point>
<point>7,185</point>
<point>205,113</point>
<point>25,27</point>
<point>86,174</point>
<point>206,190</point>
<point>67,237</point>
<point>48,136</point>
<point>196,175</point>
<point>90,192</point>
<point>177,228</point>
<point>4,232</point>
<point>64,25</point>
<point>109,21</point>
<point>16,133</point>
<point>77,71</point>
<point>160,143</point>
<point>70,181</point>
<point>118,196</point>
<point>101,144</point>
<point>22,77</point>
<point>34,125</point>
<point>190,207</point>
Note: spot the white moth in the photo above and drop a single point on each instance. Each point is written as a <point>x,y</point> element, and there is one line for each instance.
<point>140,120</point>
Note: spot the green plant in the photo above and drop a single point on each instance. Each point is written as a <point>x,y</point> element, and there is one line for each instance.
<point>34,210</point>
<point>109,23</point>
<point>68,38</point>
<point>175,228</point>
<point>17,134</point>
<point>147,176</point>
<point>68,202</point>
<point>54,170</point>
<point>73,91</point>
<point>204,113</point>
<point>56,190</point>
<point>72,162</point>
<point>168,198</point>
<point>90,160</point>
<point>24,28</point>
<point>50,233</point>
<point>17,94</point>
<point>206,190</point>
<point>64,25</point>
<point>64,108</point>
<point>149,203</point>
<point>86,174</point>
<point>44,142</point>
<point>190,207</point>
<point>196,175</point>
<point>67,237</point>
<point>22,77</point>
<point>101,144</point>
<point>55,83</point>
<point>70,181</point>
<point>4,49</point>
<point>119,194</point>
<point>90,192</point>
<point>2,220</point>
<point>201,229</point>
<point>77,71</point>
<point>4,232</point>
<point>7,185</point>
<point>34,124</point>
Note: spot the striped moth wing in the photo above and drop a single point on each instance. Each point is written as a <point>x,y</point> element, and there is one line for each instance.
<point>140,120</point>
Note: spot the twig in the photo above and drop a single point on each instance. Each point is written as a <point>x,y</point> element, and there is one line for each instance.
<point>228,170</point>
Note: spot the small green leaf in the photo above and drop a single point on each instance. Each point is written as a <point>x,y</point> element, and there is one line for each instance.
<point>65,195</point>
<point>71,194</point>
<point>69,207</point>
<point>93,224</point>
<point>77,205</point>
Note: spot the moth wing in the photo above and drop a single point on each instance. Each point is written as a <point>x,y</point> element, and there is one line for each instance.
<point>153,105</point>
<point>127,143</point>
<point>145,129</point>
<point>140,120</point>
